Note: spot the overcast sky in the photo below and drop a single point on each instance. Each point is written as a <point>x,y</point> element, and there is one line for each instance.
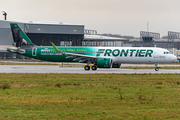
<point>125,17</point>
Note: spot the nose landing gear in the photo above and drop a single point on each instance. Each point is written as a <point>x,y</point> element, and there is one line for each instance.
<point>156,67</point>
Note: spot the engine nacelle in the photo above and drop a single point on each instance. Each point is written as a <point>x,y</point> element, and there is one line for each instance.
<point>104,63</point>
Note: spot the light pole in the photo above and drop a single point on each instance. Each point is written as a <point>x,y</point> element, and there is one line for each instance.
<point>5,14</point>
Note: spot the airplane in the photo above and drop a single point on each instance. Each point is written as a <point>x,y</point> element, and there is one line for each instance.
<point>94,57</point>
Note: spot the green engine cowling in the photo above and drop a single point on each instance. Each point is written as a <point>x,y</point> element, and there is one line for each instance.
<point>104,63</point>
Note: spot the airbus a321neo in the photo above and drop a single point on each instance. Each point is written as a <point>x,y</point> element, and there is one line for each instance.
<point>94,57</point>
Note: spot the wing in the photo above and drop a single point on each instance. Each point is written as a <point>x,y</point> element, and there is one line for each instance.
<point>82,58</point>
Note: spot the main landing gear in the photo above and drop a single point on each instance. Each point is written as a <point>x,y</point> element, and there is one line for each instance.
<point>87,67</point>
<point>94,67</point>
<point>156,67</point>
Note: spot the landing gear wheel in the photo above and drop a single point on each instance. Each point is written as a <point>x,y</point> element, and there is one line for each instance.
<point>94,67</point>
<point>157,69</point>
<point>86,68</point>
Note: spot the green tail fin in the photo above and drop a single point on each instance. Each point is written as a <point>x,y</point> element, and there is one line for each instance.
<point>19,36</point>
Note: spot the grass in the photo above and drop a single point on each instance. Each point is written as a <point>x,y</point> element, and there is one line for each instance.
<point>89,96</point>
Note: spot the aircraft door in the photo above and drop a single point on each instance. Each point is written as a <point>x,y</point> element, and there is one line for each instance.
<point>34,51</point>
<point>155,55</point>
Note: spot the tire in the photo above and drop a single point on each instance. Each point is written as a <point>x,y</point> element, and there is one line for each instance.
<point>86,68</point>
<point>156,69</point>
<point>94,67</point>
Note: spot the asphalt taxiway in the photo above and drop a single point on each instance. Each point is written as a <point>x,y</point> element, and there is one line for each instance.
<point>57,69</point>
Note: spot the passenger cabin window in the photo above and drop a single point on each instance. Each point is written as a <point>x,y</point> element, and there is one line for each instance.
<point>167,52</point>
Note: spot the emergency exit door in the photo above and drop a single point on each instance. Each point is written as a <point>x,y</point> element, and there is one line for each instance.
<point>34,51</point>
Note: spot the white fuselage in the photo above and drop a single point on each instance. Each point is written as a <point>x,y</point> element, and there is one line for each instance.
<point>139,55</point>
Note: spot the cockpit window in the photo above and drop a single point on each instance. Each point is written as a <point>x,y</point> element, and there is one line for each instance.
<point>167,52</point>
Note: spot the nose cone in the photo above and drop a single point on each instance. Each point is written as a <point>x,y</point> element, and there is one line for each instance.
<point>174,58</point>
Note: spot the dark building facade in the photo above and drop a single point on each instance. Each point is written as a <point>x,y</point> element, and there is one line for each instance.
<point>61,35</point>
<point>58,39</point>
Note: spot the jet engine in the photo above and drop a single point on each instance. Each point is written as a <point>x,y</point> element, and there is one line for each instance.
<point>104,63</point>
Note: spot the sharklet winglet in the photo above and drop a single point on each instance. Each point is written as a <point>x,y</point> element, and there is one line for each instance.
<point>56,49</point>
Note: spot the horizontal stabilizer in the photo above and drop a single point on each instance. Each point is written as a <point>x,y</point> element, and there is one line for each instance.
<point>15,49</point>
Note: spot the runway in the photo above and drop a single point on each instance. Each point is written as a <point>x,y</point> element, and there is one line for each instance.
<point>57,69</point>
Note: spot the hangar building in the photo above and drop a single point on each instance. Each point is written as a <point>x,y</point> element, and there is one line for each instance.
<point>60,34</point>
